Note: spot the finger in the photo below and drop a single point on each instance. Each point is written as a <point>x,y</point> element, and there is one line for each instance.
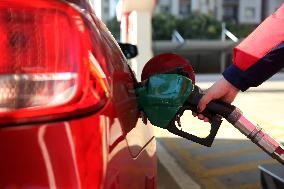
<point>201,117</point>
<point>203,102</point>
<point>206,119</point>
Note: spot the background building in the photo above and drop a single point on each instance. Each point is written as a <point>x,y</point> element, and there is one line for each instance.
<point>238,11</point>
<point>208,55</point>
<point>269,6</point>
<point>242,11</point>
<point>169,6</point>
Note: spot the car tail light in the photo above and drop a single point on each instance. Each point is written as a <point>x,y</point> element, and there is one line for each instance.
<point>47,68</point>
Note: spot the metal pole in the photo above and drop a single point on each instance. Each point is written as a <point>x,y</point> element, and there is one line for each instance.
<point>223,53</point>
<point>223,33</point>
<point>223,60</point>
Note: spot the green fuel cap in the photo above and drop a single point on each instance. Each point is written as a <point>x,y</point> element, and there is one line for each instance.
<point>162,96</point>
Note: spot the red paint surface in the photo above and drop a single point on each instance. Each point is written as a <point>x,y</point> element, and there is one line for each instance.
<point>165,63</point>
<point>88,152</point>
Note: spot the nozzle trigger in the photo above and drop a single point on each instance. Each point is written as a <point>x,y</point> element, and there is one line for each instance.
<point>215,121</point>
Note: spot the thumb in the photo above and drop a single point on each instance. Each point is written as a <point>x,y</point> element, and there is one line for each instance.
<point>204,101</point>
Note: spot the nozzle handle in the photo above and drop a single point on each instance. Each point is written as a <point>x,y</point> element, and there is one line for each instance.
<point>213,107</point>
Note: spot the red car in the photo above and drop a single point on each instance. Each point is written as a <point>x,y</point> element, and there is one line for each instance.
<point>69,117</point>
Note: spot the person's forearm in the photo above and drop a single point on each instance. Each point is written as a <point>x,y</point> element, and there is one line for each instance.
<point>260,55</point>
<point>262,70</point>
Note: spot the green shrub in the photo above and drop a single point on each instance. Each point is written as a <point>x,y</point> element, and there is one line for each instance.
<point>199,27</point>
<point>163,26</point>
<point>194,26</point>
<point>240,30</point>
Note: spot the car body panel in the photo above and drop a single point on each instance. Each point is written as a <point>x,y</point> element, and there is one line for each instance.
<point>137,133</point>
<point>110,149</point>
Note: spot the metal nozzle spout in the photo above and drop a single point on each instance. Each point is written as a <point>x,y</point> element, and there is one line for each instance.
<point>258,136</point>
<point>279,154</point>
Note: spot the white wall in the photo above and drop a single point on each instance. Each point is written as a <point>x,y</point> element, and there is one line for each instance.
<point>140,34</point>
<point>250,11</point>
<point>98,7</point>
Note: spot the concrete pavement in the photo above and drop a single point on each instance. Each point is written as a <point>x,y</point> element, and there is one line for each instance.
<point>232,161</point>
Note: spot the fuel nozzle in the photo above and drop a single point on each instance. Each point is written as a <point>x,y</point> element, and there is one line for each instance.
<point>168,90</point>
<point>235,116</point>
<point>257,135</point>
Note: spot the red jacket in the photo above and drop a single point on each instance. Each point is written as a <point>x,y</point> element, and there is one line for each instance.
<point>260,55</point>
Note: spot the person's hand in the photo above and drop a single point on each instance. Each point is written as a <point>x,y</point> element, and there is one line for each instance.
<point>221,90</point>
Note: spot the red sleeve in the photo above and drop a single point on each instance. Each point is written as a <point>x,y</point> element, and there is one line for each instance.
<point>259,43</point>
<point>260,55</point>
